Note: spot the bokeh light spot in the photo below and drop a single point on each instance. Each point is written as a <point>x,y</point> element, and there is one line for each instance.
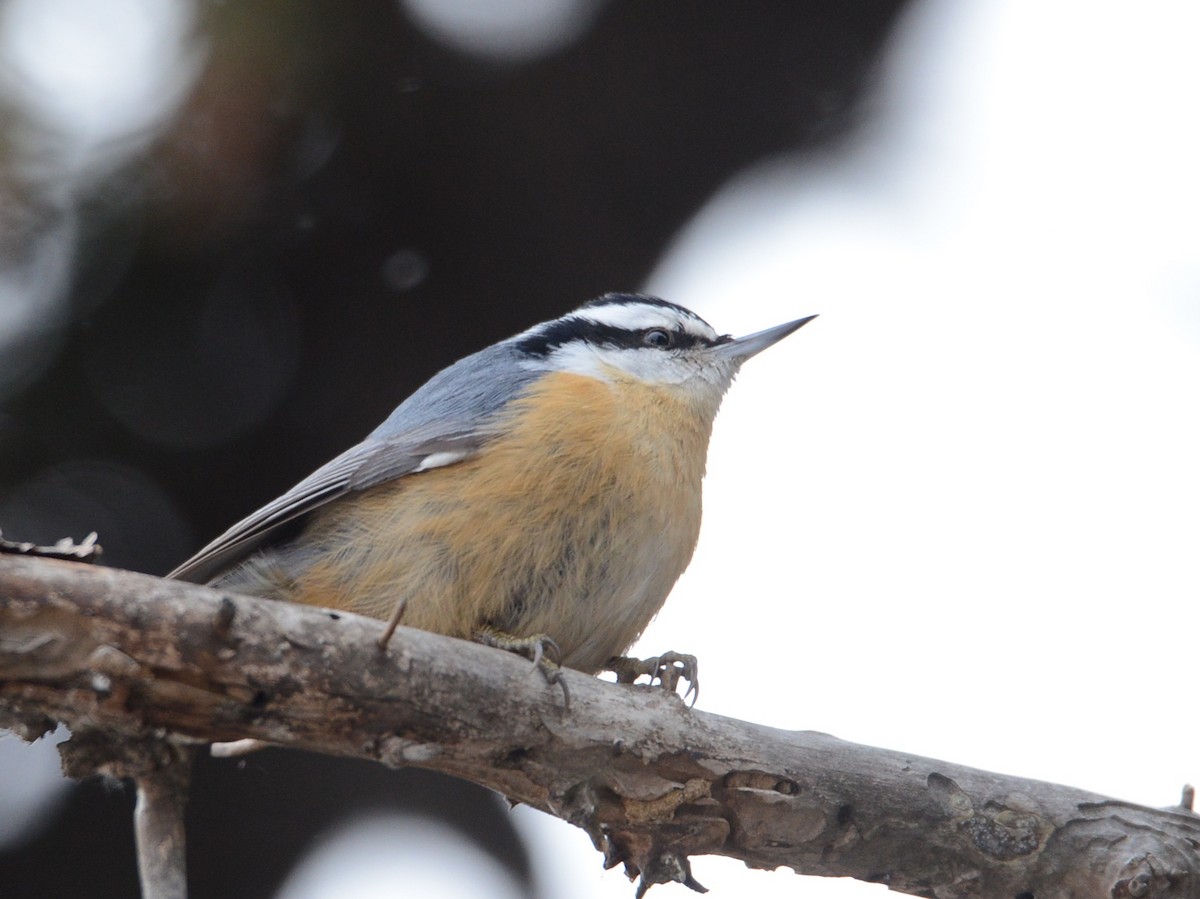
<point>211,374</point>
<point>514,31</point>
<point>138,524</point>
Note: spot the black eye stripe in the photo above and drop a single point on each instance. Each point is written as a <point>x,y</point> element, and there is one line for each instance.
<point>583,330</point>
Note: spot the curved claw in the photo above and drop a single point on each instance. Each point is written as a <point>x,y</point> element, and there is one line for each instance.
<point>693,691</point>
<point>544,647</point>
<point>539,648</point>
<point>666,669</point>
<point>553,675</point>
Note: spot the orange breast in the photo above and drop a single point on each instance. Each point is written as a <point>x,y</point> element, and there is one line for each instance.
<point>574,521</point>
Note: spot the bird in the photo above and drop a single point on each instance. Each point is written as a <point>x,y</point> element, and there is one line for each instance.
<point>542,494</point>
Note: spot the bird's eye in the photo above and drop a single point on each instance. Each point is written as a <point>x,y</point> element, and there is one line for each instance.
<point>658,337</point>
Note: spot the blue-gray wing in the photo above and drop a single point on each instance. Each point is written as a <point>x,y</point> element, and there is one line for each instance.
<point>444,422</point>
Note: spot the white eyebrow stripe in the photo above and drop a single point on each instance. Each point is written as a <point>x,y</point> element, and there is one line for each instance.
<point>636,317</point>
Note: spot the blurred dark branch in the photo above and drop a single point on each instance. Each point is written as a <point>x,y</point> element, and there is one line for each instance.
<point>158,831</point>
<point>161,771</point>
<point>127,660</point>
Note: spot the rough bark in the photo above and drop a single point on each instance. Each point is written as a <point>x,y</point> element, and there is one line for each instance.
<point>137,659</point>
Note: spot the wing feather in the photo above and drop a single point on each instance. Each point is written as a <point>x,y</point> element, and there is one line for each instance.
<point>365,465</point>
<point>443,423</point>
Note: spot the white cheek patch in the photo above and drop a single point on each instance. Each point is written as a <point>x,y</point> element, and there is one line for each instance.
<point>648,365</point>
<point>577,358</point>
<point>440,460</point>
<point>651,366</point>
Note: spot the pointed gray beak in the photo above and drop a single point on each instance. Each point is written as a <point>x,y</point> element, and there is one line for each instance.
<point>742,348</point>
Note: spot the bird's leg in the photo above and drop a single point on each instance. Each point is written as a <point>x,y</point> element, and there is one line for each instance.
<point>539,648</point>
<point>667,669</point>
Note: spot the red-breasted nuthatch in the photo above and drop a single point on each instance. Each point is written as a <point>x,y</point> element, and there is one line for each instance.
<point>546,486</point>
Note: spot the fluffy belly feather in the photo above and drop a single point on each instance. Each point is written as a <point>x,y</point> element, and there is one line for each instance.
<point>574,522</point>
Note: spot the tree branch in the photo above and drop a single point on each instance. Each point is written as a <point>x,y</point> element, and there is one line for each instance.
<point>653,782</point>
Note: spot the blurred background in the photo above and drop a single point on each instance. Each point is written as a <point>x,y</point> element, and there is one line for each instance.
<point>957,515</point>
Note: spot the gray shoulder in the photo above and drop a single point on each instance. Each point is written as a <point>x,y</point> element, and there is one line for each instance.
<point>472,389</point>
<point>446,420</point>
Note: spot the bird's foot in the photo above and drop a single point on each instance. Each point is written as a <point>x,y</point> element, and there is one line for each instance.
<point>539,648</point>
<point>666,669</point>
